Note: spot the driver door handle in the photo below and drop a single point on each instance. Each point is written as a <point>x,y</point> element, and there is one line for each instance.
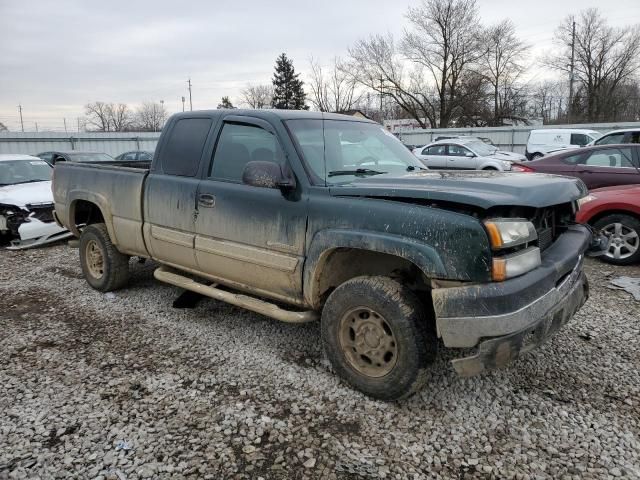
<point>206,200</point>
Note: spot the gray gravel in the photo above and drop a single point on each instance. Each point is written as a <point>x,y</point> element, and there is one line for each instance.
<point>124,386</point>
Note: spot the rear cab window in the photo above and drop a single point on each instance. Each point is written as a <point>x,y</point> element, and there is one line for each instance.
<point>183,148</point>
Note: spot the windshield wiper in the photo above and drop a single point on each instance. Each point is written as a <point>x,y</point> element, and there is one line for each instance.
<point>356,172</point>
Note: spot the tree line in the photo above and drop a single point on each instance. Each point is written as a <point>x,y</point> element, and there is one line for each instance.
<point>119,117</point>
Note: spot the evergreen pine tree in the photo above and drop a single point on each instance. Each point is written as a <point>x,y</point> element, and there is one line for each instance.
<point>288,93</point>
<point>225,103</point>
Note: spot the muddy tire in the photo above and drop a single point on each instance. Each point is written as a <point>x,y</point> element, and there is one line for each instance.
<point>103,266</point>
<point>377,336</point>
<point>623,232</point>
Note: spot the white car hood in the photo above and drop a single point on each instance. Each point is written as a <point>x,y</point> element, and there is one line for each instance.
<point>22,194</point>
<point>503,155</point>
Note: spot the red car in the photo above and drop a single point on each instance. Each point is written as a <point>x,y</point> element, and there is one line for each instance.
<point>597,166</point>
<point>615,211</point>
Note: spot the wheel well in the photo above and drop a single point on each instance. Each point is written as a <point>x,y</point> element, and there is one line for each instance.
<point>343,264</point>
<point>86,213</point>
<point>601,215</point>
<point>489,168</point>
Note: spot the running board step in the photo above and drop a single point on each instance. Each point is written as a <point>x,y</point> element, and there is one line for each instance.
<point>237,299</point>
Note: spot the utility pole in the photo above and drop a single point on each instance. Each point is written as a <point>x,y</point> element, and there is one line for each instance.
<point>571,68</point>
<point>65,125</point>
<point>36,127</point>
<point>183,103</point>
<point>21,122</point>
<point>190,102</point>
<point>381,97</point>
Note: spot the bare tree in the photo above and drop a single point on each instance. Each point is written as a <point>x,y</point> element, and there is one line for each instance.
<point>99,116</point>
<point>376,64</point>
<point>335,90</point>
<point>502,64</point>
<point>120,116</point>
<point>547,101</point>
<point>150,116</point>
<point>605,59</point>
<point>257,96</point>
<point>444,39</point>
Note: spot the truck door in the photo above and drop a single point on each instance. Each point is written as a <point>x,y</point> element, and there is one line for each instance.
<point>170,193</point>
<point>252,237</point>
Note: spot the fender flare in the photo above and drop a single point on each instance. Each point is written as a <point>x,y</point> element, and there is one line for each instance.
<point>424,256</point>
<point>99,201</point>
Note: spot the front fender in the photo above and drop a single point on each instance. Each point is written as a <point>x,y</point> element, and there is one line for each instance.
<point>425,257</point>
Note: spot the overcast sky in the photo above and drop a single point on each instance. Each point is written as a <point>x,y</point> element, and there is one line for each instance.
<point>55,56</point>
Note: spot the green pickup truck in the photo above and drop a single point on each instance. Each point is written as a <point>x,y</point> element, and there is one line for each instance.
<point>306,216</point>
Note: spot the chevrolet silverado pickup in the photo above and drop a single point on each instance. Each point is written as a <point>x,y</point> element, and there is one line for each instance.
<point>306,216</point>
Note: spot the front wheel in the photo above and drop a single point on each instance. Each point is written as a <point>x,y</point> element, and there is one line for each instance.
<point>103,266</point>
<point>375,333</point>
<point>623,232</point>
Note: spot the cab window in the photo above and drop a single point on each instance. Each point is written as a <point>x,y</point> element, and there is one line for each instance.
<point>240,144</point>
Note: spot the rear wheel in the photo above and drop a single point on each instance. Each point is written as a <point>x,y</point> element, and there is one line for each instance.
<point>376,335</point>
<point>103,266</point>
<point>623,232</point>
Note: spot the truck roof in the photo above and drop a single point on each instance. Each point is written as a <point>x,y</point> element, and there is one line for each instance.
<point>273,113</point>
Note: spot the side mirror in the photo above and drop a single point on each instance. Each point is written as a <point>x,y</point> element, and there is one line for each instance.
<point>267,175</point>
<point>469,154</point>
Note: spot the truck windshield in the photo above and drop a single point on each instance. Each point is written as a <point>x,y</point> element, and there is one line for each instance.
<point>13,172</point>
<point>337,151</point>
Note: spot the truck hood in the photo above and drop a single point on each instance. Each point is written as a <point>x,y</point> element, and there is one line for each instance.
<point>25,193</point>
<point>476,188</point>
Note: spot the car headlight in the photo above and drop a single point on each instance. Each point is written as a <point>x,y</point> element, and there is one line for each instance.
<point>506,164</point>
<point>586,199</point>
<point>505,233</point>
<point>515,264</point>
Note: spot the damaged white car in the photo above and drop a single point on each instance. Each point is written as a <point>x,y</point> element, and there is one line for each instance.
<point>26,203</point>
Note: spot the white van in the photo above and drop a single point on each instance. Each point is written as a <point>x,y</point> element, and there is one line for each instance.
<point>543,141</point>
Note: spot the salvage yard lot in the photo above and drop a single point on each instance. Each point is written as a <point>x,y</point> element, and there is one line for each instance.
<point>223,392</point>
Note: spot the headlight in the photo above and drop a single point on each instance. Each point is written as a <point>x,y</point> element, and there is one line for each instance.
<point>505,233</point>
<point>515,264</point>
<point>506,164</point>
<point>586,199</point>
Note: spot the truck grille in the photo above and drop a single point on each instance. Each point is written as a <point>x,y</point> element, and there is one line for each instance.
<point>545,223</point>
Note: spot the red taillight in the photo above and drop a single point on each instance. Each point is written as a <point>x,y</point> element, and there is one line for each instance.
<point>518,167</point>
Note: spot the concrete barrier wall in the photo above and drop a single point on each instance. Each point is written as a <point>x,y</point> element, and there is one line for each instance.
<point>506,138</point>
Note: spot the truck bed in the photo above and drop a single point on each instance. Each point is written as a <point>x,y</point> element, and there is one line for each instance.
<point>115,187</point>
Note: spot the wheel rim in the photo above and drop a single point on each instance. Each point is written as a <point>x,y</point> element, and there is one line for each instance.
<point>368,342</point>
<point>623,241</point>
<point>94,259</point>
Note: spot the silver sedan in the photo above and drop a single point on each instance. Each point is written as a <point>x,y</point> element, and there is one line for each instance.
<point>466,155</point>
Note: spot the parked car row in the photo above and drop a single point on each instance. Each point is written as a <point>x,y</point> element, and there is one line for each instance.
<point>547,141</point>
<point>78,156</point>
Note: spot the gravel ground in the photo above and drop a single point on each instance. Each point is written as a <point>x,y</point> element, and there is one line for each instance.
<point>124,386</point>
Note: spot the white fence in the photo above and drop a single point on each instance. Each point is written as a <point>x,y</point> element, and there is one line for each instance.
<point>111,143</point>
<point>506,138</point>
